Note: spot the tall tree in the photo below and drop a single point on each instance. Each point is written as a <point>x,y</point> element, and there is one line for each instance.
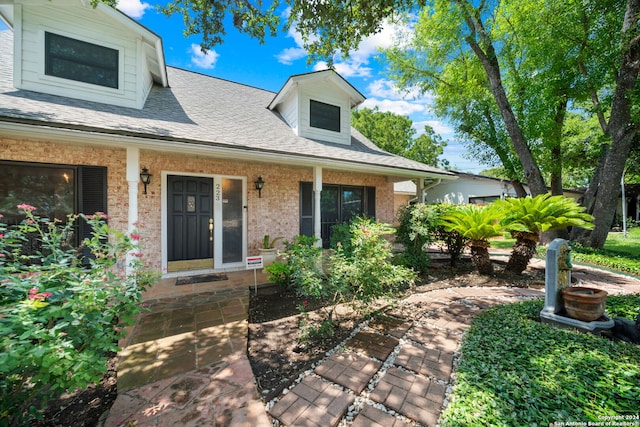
<point>395,133</point>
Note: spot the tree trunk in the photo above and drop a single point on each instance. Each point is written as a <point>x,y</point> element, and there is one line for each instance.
<point>480,257</point>
<point>621,128</point>
<point>485,52</point>
<point>519,188</point>
<point>556,149</point>
<point>589,196</point>
<point>522,252</point>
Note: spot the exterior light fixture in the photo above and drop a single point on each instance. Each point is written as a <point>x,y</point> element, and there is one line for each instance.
<point>145,177</point>
<point>259,184</point>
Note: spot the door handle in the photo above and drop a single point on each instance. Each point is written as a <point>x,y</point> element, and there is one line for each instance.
<point>210,229</point>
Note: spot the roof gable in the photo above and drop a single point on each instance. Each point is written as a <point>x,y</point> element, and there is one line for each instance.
<point>319,78</point>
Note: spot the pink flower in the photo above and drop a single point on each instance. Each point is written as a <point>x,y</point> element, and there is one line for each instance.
<point>1,236</point>
<point>305,303</point>
<point>102,215</point>
<point>135,236</point>
<point>137,254</point>
<point>26,207</point>
<point>39,296</point>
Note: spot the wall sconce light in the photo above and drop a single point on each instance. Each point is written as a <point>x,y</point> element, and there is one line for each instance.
<point>145,177</point>
<point>259,184</point>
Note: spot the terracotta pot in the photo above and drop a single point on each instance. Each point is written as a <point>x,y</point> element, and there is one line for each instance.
<point>586,304</point>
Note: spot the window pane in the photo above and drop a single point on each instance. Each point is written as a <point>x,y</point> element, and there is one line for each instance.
<point>81,61</point>
<point>50,189</point>
<point>352,198</point>
<point>324,116</point>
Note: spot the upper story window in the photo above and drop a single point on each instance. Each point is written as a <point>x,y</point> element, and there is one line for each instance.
<point>81,61</point>
<point>324,116</point>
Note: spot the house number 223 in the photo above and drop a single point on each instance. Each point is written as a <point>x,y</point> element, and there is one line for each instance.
<point>218,192</point>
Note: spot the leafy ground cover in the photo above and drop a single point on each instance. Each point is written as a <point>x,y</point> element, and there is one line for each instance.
<point>516,371</point>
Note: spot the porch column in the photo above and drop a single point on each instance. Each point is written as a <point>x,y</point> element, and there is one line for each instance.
<point>317,190</point>
<point>133,176</point>
<point>420,190</point>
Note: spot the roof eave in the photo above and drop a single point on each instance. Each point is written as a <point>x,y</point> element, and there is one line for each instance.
<point>101,137</point>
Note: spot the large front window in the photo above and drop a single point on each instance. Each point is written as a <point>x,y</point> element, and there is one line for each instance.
<point>80,61</point>
<point>54,190</point>
<point>338,204</point>
<point>51,189</point>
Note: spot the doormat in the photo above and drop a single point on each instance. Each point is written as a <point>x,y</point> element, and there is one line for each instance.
<point>200,279</point>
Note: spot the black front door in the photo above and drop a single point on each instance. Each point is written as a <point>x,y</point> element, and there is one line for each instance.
<point>190,222</point>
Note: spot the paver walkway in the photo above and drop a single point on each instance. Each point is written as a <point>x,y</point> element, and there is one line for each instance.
<point>396,370</point>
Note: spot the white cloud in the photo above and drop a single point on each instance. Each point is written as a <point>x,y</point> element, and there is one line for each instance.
<point>133,8</point>
<point>201,59</point>
<point>290,54</point>
<point>439,127</point>
<point>345,69</point>
<point>357,64</point>
<point>384,88</point>
<point>401,107</point>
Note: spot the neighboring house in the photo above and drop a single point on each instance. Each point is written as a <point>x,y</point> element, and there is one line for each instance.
<point>476,189</point>
<point>465,189</point>
<point>87,104</point>
<point>470,188</point>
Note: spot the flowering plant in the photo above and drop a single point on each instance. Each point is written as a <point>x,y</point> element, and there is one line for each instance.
<point>61,320</point>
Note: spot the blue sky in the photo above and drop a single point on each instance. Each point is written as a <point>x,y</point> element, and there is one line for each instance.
<point>244,60</point>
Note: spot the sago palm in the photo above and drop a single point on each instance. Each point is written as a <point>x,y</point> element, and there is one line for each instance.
<point>527,217</point>
<point>478,224</point>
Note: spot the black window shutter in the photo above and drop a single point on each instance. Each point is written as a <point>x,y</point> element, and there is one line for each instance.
<point>370,202</point>
<point>306,209</point>
<point>92,198</point>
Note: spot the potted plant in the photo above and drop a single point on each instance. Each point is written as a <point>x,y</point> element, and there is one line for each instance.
<point>582,303</point>
<point>268,251</point>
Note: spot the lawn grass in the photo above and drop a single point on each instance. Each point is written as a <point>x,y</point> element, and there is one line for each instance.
<point>516,371</point>
<point>619,253</point>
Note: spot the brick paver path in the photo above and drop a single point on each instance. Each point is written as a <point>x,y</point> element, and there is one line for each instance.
<point>395,370</point>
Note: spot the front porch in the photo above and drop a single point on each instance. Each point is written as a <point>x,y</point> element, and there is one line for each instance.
<point>175,286</point>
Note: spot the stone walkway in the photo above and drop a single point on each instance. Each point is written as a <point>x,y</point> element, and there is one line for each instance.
<point>186,364</point>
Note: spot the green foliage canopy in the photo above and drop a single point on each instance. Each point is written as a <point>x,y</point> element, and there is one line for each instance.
<point>395,133</point>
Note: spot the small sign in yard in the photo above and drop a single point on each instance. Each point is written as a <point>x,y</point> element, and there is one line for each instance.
<point>254,263</point>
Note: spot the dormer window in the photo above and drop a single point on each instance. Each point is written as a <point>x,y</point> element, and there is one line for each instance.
<point>81,61</point>
<point>324,116</point>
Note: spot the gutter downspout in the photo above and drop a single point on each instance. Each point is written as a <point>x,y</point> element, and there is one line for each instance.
<point>422,191</point>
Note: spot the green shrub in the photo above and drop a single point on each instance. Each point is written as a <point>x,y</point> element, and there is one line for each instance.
<point>300,269</point>
<point>365,271</point>
<point>59,322</point>
<point>418,223</point>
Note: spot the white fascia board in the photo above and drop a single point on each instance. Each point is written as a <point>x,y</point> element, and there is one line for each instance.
<point>75,136</point>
